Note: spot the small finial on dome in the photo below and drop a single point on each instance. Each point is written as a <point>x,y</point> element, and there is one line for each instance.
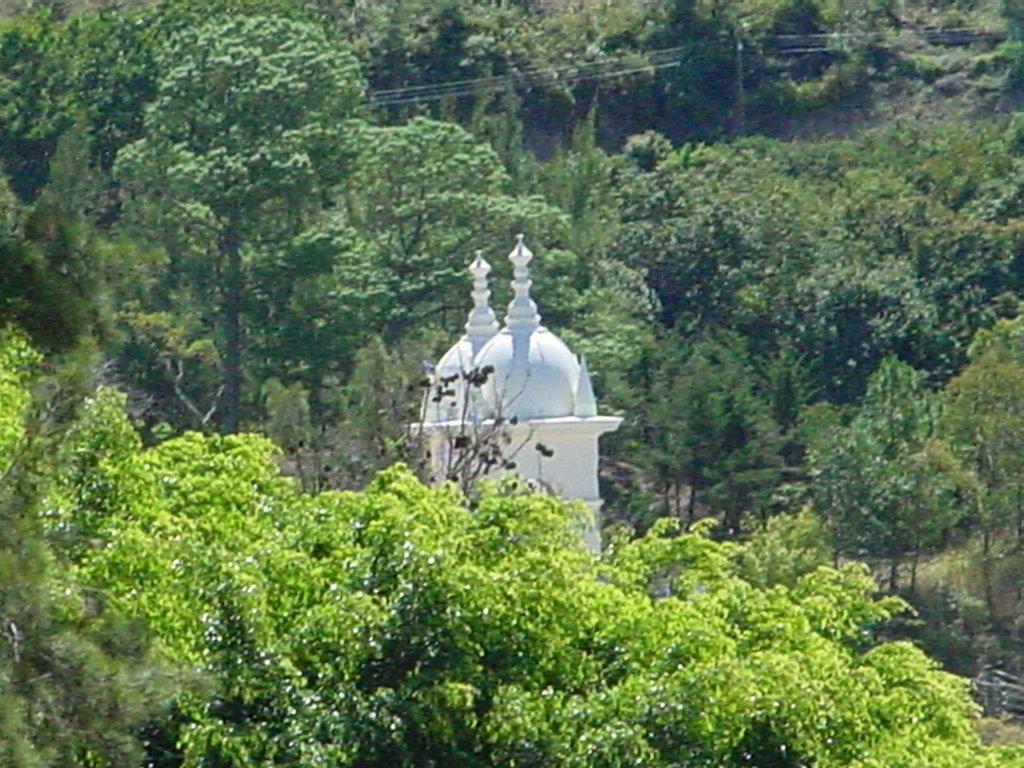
<point>522,312</point>
<point>482,323</point>
<point>586,403</point>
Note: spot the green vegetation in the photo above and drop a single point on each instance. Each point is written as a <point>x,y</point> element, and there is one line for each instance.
<point>78,679</point>
<point>254,217</point>
<point>398,626</point>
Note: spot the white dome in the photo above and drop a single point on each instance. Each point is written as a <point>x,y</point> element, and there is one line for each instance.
<point>445,399</point>
<point>524,371</point>
<point>450,382</point>
<point>535,375</point>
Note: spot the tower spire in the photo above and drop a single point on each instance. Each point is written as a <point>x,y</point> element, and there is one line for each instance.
<point>482,324</point>
<point>522,311</point>
<point>586,403</point>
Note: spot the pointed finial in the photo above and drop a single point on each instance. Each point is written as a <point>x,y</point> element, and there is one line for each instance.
<point>482,323</point>
<point>522,312</point>
<point>586,403</point>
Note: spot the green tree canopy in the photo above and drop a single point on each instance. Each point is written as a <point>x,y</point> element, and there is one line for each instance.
<point>247,136</point>
<point>426,194</point>
<point>396,626</point>
<point>710,438</point>
<point>77,681</point>
<point>982,421</point>
<point>886,483</point>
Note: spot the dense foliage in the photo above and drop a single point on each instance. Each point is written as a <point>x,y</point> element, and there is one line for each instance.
<point>398,626</point>
<point>76,680</point>
<point>254,215</point>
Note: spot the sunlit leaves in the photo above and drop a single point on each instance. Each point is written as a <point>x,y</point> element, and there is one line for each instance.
<point>396,625</point>
<point>16,359</point>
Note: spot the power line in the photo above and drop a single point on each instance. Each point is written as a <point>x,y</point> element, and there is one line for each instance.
<point>801,51</point>
<point>598,70</point>
<point>664,58</point>
<point>386,92</point>
<point>510,80</point>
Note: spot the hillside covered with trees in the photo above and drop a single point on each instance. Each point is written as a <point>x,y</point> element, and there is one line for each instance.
<point>788,236</point>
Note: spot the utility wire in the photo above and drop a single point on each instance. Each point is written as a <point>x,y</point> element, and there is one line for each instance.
<point>801,51</point>
<point>505,82</point>
<point>528,73</point>
<point>664,58</point>
<point>598,70</point>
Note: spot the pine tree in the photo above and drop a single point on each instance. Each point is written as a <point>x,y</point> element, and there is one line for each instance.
<point>76,681</point>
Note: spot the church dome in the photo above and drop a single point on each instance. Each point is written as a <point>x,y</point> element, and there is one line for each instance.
<point>534,375</point>
<point>525,374</point>
<point>450,384</point>
<point>524,371</point>
<point>445,400</point>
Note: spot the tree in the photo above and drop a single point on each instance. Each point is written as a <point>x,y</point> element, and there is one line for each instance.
<point>785,548</point>
<point>245,139</point>
<point>982,421</point>
<point>422,197</point>
<point>36,98</point>
<point>426,195</point>
<point>396,626</point>
<point>714,440</point>
<point>834,254</point>
<point>77,681</point>
<point>886,483</point>
<point>54,284</point>
<point>983,425</point>
<point>706,59</point>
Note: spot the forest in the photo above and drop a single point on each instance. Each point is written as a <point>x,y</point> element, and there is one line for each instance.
<point>788,236</point>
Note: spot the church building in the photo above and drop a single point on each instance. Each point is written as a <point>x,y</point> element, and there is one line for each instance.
<point>523,382</point>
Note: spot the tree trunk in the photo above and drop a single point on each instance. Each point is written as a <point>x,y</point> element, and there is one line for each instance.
<point>986,572</point>
<point>671,496</point>
<point>230,250</point>
<point>1020,516</point>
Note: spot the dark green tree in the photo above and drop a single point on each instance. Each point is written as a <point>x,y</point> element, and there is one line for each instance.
<point>713,443</point>
<point>425,196</point>
<point>54,284</point>
<point>37,101</point>
<point>77,682</point>
<point>245,140</point>
<point>886,483</point>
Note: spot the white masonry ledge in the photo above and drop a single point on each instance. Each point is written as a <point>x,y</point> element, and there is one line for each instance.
<point>565,424</point>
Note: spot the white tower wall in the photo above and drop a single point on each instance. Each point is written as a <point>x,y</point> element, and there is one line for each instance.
<point>536,391</point>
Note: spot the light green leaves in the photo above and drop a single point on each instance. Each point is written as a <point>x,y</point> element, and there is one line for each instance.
<point>395,625</point>
<point>16,359</point>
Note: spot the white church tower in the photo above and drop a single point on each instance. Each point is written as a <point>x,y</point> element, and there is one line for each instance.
<point>524,381</point>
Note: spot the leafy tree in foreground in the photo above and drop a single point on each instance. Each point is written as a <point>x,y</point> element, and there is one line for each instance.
<point>76,681</point>
<point>785,548</point>
<point>398,627</point>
